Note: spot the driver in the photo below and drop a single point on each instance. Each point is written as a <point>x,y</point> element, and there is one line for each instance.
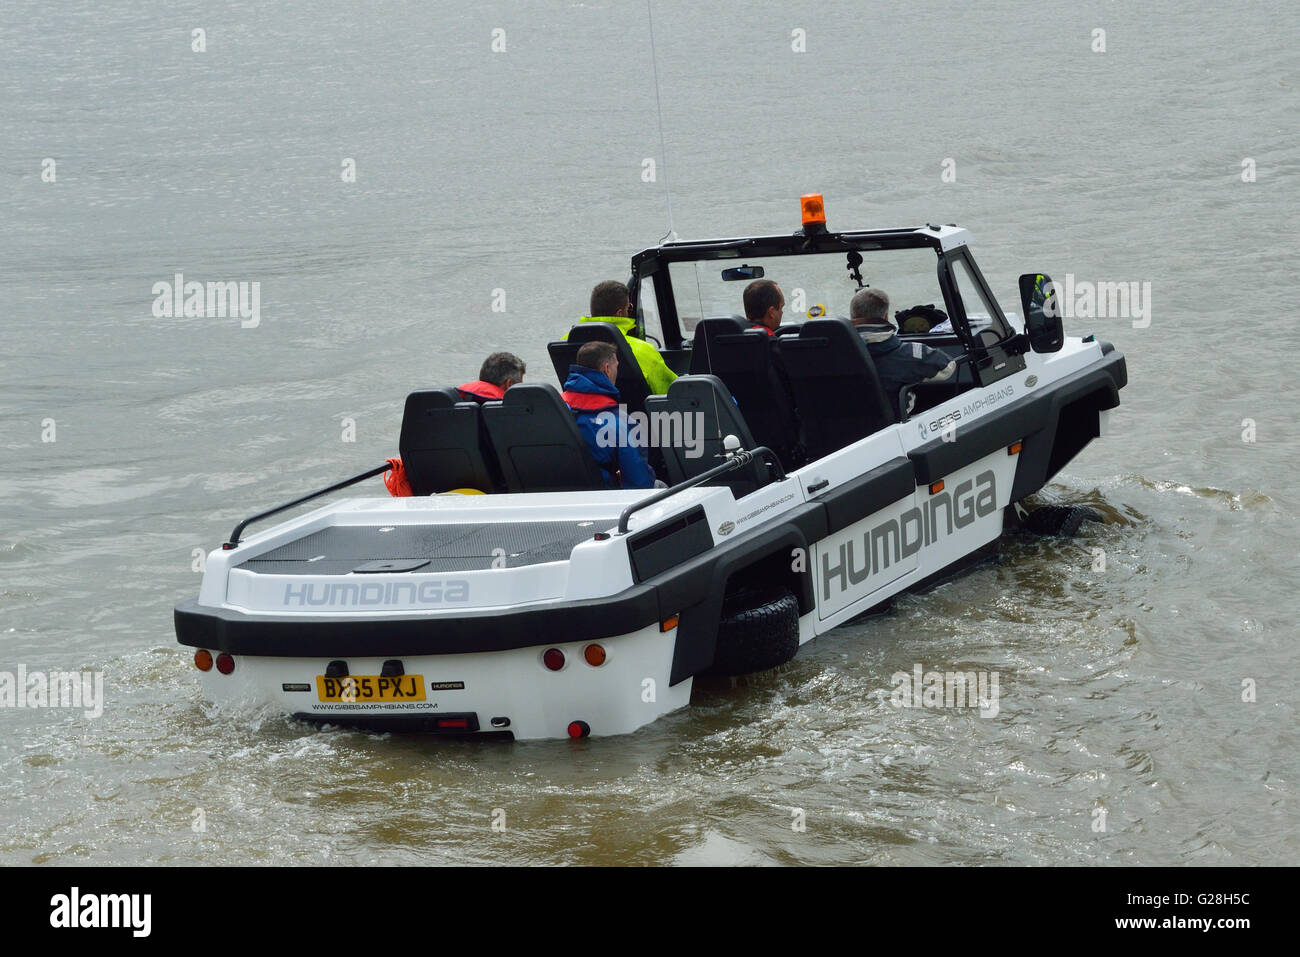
<point>898,363</point>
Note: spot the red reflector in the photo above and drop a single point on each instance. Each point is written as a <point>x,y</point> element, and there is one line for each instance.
<point>452,723</point>
<point>579,729</point>
<point>1015,447</point>
<point>225,663</point>
<point>553,659</point>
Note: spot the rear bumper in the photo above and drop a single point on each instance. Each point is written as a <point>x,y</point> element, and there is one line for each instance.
<point>502,693</point>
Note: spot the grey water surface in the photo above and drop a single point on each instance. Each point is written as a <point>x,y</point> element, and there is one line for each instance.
<point>1121,687</point>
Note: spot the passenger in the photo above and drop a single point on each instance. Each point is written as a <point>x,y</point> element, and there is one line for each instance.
<point>898,363</point>
<point>764,303</point>
<point>589,391</point>
<point>499,372</point>
<point>610,303</point>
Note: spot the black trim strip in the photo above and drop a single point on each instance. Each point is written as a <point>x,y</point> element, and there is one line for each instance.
<point>498,629</point>
<point>1019,420</point>
<point>1034,468</point>
<point>407,723</point>
<point>697,628</point>
<point>868,493</point>
<point>663,547</point>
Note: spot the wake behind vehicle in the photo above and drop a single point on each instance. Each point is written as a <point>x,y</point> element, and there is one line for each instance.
<point>800,496</point>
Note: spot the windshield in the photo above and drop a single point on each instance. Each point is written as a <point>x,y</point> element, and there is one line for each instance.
<point>813,284</point>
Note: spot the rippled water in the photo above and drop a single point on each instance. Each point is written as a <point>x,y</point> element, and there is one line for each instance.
<point>1121,689</point>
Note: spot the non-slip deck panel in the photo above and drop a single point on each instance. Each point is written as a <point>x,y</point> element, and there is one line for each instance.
<point>464,546</point>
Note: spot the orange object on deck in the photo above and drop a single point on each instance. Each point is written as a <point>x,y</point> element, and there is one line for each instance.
<point>395,479</point>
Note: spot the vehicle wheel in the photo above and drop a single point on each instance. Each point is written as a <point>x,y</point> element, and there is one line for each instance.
<point>1061,520</point>
<point>759,630</point>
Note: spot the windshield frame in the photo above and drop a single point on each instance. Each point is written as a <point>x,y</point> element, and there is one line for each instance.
<point>651,265</point>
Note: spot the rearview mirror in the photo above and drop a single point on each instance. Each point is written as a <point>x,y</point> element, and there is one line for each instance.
<point>1042,312</point>
<point>742,272</point>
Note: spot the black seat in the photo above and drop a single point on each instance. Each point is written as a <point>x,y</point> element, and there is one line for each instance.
<point>706,334</point>
<point>443,445</point>
<point>538,443</point>
<point>631,384</point>
<point>835,385</point>
<point>704,400</point>
<point>748,363</point>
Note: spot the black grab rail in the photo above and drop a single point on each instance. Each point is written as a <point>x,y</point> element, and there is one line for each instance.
<point>234,536</point>
<point>736,460</point>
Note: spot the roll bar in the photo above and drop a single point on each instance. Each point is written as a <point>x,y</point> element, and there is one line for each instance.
<point>737,459</point>
<point>234,536</point>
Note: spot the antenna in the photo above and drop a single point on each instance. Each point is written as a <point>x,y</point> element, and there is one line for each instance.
<point>659,109</point>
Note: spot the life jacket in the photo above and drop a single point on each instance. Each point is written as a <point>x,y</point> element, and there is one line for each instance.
<point>589,390</point>
<point>480,391</point>
<point>594,400</point>
<point>759,325</point>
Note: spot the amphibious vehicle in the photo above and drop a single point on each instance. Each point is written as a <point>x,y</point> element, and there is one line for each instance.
<point>799,496</point>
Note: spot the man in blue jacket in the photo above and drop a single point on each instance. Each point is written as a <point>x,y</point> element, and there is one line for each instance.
<point>589,391</point>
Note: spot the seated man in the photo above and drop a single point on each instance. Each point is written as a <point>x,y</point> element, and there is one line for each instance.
<point>499,372</point>
<point>764,303</point>
<point>898,363</point>
<point>610,303</point>
<point>589,391</point>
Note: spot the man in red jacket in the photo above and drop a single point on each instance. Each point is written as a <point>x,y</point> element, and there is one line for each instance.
<point>764,303</point>
<point>500,371</point>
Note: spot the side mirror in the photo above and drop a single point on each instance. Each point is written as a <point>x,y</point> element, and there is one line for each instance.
<point>1042,312</point>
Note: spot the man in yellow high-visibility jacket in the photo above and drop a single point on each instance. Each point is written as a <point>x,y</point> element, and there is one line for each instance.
<point>610,303</point>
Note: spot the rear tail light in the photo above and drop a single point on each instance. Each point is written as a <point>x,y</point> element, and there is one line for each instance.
<point>595,655</point>
<point>454,724</point>
<point>203,659</point>
<point>579,729</point>
<point>225,663</point>
<point>553,658</point>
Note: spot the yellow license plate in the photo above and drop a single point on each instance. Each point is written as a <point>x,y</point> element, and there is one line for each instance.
<point>366,688</point>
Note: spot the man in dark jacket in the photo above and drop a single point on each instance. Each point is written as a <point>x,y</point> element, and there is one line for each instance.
<point>589,391</point>
<point>898,363</point>
<point>499,372</point>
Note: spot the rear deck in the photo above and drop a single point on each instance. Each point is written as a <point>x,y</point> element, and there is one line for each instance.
<point>442,547</point>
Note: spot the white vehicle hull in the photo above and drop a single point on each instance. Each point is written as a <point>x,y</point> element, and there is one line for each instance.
<point>532,572</point>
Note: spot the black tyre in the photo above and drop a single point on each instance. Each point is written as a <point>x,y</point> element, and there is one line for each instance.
<point>759,630</point>
<point>1061,520</point>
